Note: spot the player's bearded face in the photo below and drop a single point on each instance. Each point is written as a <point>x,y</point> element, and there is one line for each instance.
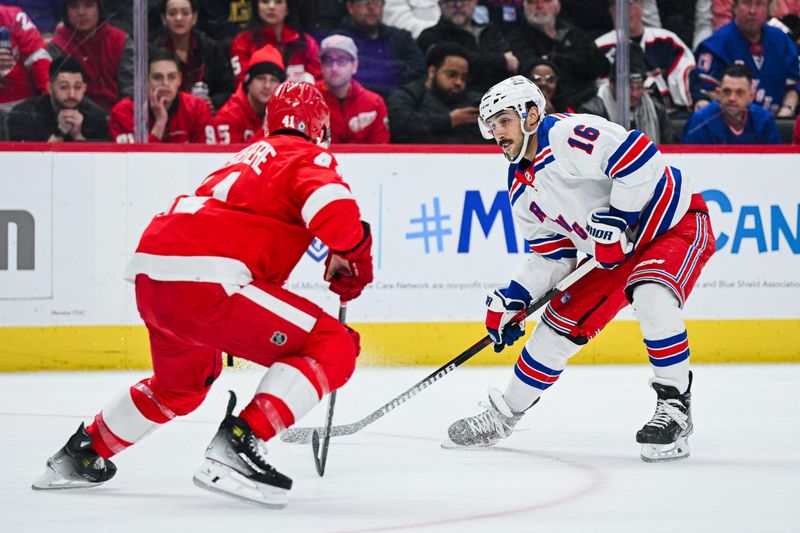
<point>507,132</point>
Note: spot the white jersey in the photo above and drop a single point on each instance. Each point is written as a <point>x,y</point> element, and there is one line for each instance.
<point>582,163</point>
<point>669,61</point>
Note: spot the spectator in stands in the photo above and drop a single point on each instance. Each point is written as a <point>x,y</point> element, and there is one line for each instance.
<point>358,115</point>
<point>202,60</point>
<point>490,56</point>
<point>63,115</point>
<point>688,19</point>
<point>23,68</point>
<point>411,15</point>
<point>242,117</point>
<point>439,109</point>
<point>106,52</point>
<point>222,20</point>
<point>275,22</point>
<point>321,17</point>
<point>732,118</point>
<point>591,16</point>
<point>769,53</point>
<point>387,57</point>
<point>119,13</point>
<point>505,14</point>
<point>544,73</point>
<point>646,113</point>
<point>174,116</point>
<point>667,58</point>
<point>545,35</point>
<point>44,14</point>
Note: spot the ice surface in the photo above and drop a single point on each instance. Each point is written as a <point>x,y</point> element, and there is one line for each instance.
<point>575,469</point>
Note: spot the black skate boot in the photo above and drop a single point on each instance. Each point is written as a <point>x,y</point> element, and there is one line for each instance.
<point>235,465</point>
<point>487,428</point>
<point>75,466</point>
<point>666,436</point>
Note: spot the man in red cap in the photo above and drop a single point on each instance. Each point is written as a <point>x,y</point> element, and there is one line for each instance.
<point>242,116</point>
<point>358,115</point>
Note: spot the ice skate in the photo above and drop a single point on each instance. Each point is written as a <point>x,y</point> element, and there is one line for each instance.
<point>235,466</point>
<point>75,466</point>
<point>486,429</point>
<point>666,436</point>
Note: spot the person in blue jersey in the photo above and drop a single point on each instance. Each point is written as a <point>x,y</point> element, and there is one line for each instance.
<point>769,53</point>
<point>733,118</point>
<point>579,183</point>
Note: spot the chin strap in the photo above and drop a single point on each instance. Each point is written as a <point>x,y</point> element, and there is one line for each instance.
<point>528,135</point>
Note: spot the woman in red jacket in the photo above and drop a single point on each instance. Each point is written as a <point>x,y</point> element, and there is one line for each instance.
<point>272,22</point>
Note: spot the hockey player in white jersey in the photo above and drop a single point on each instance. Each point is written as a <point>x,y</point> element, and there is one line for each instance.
<point>578,183</point>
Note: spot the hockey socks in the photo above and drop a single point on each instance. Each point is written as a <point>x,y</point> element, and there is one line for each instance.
<point>538,367</point>
<point>128,418</point>
<point>289,390</point>
<point>664,332</point>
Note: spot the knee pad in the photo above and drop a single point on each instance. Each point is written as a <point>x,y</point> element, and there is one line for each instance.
<point>658,311</point>
<point>330,349</point>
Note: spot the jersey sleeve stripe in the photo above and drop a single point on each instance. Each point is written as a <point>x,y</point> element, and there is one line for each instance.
<point>322,197</point>
<point>632,154</point>
<point>554,247</point>
<point>38,55</point>
<point>657,215</point>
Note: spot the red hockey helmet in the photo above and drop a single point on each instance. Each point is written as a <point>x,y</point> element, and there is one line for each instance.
<point>301,107</point>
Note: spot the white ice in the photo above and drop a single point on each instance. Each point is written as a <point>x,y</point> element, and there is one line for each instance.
<point>576,468</point>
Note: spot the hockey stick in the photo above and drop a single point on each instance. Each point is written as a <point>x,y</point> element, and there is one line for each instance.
<point>302,435</point>
<point>320,459</point>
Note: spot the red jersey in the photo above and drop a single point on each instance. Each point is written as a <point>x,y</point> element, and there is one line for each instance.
<point>253,219</point>
<point>30,75</point>
<point>101,56</point>
<point>360,118</point>
<point>188,118</point>
<point>236,122</point>
<point>300,54</point>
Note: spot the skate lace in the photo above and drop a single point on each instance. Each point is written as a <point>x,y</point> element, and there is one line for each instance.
<point>486,422</point>
<point>258,452</point>
<point>668,411</point>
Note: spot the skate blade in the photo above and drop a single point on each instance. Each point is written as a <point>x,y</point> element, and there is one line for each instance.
<point>448,444</point>
<point>52,480</point>
<point>225,481</point>
<point>659,453</point>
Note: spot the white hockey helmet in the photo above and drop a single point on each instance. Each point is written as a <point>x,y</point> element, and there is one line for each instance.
<point>516,93</point>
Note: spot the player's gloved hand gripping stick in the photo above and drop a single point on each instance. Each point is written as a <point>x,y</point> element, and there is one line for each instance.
<point>301,435</point>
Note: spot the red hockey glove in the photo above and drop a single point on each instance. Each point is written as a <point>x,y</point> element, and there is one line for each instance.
<point>611,246</point>
<point>349,272</point>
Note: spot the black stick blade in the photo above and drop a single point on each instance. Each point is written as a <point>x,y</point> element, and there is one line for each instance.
<point>317,460</point>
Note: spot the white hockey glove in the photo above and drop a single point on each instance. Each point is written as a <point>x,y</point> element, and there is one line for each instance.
<point>502,320</point>
<point>611,246</point>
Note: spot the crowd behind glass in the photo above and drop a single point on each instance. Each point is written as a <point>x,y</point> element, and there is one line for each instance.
<point>401,71</point>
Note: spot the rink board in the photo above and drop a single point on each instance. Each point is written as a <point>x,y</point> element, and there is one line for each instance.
<point>443,237</point>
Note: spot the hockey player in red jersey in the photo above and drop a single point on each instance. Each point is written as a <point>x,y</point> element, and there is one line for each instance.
<point>579,183</point>
<point>209,275</point>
